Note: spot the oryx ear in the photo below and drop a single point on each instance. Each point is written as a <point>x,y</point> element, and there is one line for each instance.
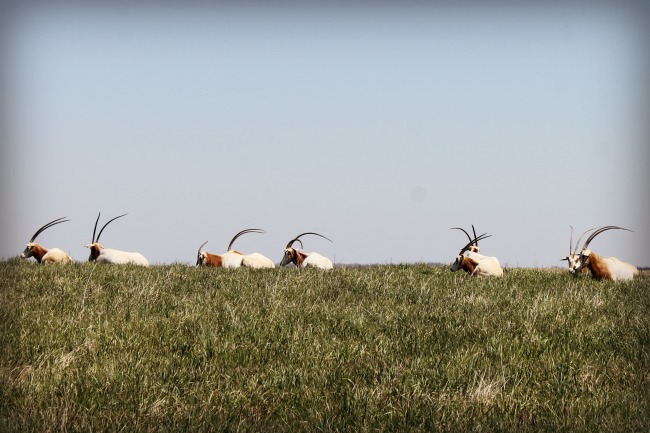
<point>566,258</point>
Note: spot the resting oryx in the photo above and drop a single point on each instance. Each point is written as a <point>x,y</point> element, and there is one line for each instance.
<point>474,263</point>
<point>232,258</point>
<point>42,254</point>
<point>302,259</point>
<point>100,254</point>
<point>609,268</point>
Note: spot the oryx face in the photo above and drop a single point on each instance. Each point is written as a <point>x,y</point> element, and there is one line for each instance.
<point>29,251</point>
<point>582,261</point>
<point>458,263</point>
<point>94,251</point>
<point>289,257</point>
<point>577,262</point>
<point>571,260</point>
<point>200,258</point>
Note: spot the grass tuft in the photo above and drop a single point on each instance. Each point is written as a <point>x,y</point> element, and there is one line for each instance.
<point>86,347</point>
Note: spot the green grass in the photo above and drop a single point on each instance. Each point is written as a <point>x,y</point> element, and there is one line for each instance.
<point>87,347</point>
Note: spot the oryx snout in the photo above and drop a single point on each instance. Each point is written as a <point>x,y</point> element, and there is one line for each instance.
<point>288,257</point>
<point>28,252</point>
<point>457,263</point>
<point>95,249</point>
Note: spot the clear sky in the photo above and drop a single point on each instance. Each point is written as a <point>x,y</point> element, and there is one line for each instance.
<point>380,126</point>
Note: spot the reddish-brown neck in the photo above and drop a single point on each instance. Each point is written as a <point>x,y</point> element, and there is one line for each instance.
<point>38,252</point>
<point>598,267</point>
<point>213,260</point>
<point>299,257</point>
<point>94,252</point>
<point>468,265</point>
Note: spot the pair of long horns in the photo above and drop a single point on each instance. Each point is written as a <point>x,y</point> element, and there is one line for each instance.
<point>100,232</point>
<point>232,241</point>
<point>471,241</point>
<point>242,233</point>
<point>467,234</point>
<point>47,226</point>
<point>591,237</point>
<point>297,238</point>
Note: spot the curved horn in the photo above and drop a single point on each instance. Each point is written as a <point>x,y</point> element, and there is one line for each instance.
<point>95,229</point>
<point>575,250</point>
<point>202,245</point>
<point>470,243</point>
<point>47,226</point>
<point>599,231</point>
<point>242,233</point>
<point>306,233</point>
<point>290,244</point>
<point>475,239</point>
<point>110,221</point>
<point>464,231</point>
<point>570,241</point>
<point>198,255</point>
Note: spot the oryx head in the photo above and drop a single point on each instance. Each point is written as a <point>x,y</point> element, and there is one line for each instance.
<point>201,256</point>
<point>31,245</point>
<point>573,259</point>
<point>471,246</point>
<point>94,245</point>
<point>290,253</point>
<point>579,260</point>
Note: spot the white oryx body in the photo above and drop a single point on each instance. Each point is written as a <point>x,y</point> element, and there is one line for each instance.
<point>257,260</point>
<point>232,258</point>
<point>305,260</point>
<point>606,268</point>
<point>609,268</point>
<point>117,257</point>
<point>472,262</point>
<point>44,255</point>
<point>315,260</point>
<point>480,265</point>
<point>101,254</point>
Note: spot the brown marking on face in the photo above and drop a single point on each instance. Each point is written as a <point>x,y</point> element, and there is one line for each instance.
<point>288,256</point>
<point>598,267</point>
<point>296,257</point>
<point>95,249</point>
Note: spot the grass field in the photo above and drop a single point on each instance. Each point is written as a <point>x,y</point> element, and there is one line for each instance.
<point>88,347</point>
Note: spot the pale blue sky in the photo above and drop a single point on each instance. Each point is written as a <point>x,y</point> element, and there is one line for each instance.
<point>379,127</point>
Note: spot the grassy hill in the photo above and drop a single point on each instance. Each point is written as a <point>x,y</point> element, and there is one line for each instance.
<point>88,347</point>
